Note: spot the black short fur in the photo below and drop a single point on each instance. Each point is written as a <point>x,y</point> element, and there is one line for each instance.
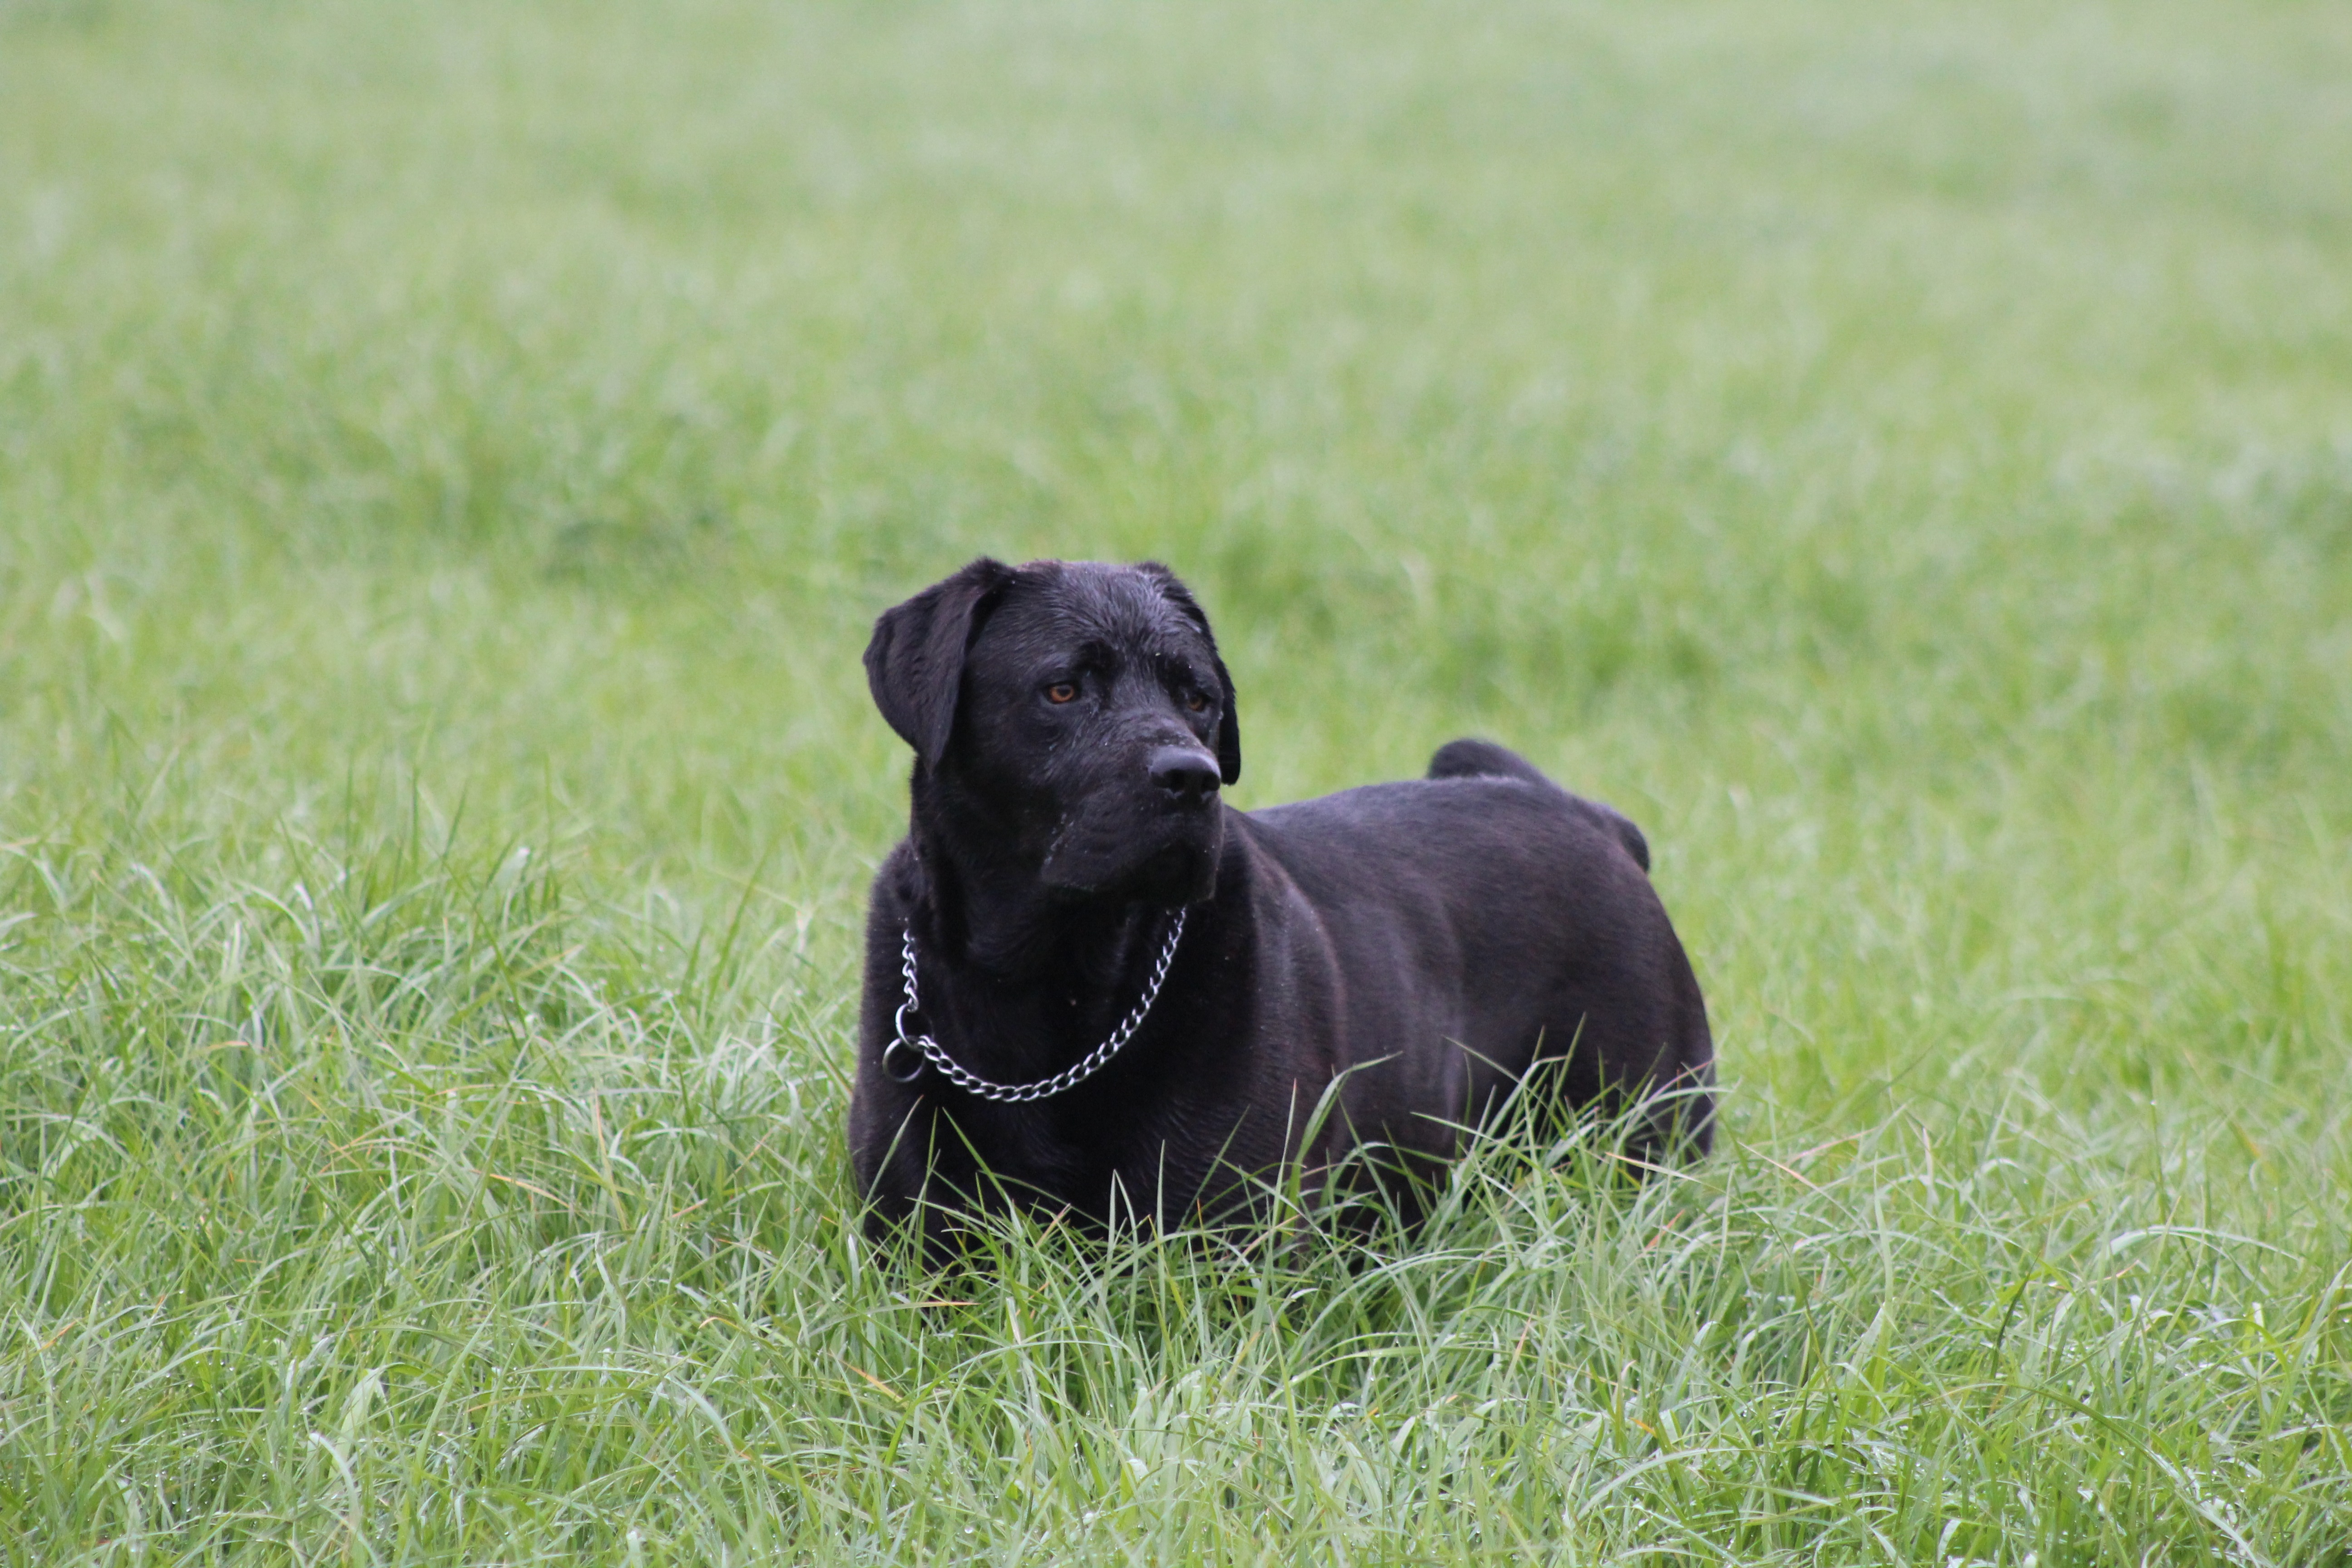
<point>1422,944</point>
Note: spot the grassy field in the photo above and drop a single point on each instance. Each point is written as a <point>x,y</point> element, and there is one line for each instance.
<point>450,457</point>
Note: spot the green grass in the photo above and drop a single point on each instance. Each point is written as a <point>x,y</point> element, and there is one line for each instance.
<point>450,457</point>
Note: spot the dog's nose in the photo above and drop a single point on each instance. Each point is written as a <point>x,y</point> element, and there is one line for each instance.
<point>1184,771</point>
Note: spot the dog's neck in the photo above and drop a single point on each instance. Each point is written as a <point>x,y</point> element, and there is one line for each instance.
<point>987,907</point>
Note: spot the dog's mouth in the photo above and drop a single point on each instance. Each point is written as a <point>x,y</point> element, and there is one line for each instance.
<point>1168,858</point>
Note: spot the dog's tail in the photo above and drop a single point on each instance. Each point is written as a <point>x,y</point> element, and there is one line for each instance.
<point>1469,759</point>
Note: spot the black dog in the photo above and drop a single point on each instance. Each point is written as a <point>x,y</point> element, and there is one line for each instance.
<point>1071,869</point>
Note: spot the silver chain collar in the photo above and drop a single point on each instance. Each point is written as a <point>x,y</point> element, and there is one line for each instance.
<point>928,1049</point>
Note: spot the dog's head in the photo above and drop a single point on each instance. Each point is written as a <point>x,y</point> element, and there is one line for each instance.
<point>1074,712</point>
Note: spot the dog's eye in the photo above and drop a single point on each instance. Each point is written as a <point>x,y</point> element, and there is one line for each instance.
<point>1062,691</point>
<point>1198,702</point>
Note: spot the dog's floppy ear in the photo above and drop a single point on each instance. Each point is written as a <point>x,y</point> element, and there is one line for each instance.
<point>914,665</point>
<point>1229,728</point>
<point>1229,719</point>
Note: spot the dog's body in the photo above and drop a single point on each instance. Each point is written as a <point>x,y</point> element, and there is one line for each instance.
<point>1418,944</point>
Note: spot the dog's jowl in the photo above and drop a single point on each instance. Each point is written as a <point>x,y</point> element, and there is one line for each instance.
<point>1093,987</point>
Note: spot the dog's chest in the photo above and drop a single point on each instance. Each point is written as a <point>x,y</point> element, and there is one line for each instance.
<point>1155,1135</point>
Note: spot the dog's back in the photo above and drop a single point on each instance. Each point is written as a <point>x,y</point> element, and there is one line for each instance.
<point>1483,920</point>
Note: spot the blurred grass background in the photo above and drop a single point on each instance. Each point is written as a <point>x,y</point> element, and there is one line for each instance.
<point>450,458</point>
